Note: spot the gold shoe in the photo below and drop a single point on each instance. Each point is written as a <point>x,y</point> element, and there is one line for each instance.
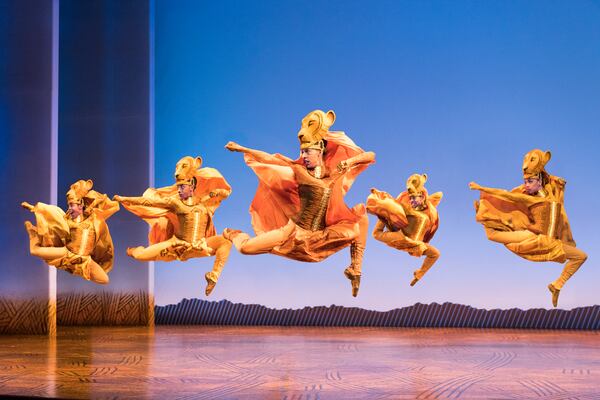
<point>555,292</point>
<point>210,284</point>
<point>354,280</point>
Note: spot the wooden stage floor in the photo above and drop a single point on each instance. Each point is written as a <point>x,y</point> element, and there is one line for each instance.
<point>302,363</point>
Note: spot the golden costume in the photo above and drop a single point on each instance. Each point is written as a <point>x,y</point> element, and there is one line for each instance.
<point>299,213</point>
<point>183,229</point>
<point>533,226</point>
<point>82,245</point>
<point>405,227</point>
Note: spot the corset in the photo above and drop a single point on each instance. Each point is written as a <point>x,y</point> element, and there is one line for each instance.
<point>192,224</point>
<point>418,223</point>
<point>313,207</point>
<point>546,218</point>
<point>83,237</point>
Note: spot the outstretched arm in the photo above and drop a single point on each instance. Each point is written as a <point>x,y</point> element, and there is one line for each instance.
<point>261,156</point>
<point>504,194</point>
<point>220,194</point>
<point>143,201</point>
<point>362,158</point>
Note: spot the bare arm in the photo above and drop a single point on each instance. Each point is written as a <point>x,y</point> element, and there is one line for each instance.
<point>221,194</point>
<point>379,227</point>
<point>261,156</point>
<point>504,194</point>
<point>362,158</point>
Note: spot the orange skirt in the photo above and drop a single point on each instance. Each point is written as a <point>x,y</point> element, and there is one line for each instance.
<point>315,246</point>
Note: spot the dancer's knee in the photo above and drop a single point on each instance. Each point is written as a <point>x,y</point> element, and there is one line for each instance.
<point>246,249</point>
<point>99,276</point>
<point>433,253</point>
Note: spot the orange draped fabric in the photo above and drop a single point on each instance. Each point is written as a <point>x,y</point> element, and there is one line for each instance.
<point>277,201</point>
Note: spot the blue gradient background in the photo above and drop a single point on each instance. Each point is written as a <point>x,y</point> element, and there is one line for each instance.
<point>457,90</point>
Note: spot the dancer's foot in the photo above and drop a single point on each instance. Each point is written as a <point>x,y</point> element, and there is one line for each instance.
<point>416,279</point>
<point>354,280</point>
<point>34,239</point>
<point>230,234</point>
<point>130,251</point>
<point>555,292</point>
<point>210,284</point>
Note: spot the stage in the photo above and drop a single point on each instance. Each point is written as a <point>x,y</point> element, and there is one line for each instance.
<point>204,362</point>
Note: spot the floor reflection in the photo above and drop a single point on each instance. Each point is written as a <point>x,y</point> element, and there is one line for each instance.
<point>307,363</point>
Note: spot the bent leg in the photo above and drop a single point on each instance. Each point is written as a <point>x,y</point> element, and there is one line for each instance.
<point>150,253</point>
<point>45,253</point>
<point>97,274</point>
<point>49,253</point>
<point>387,237</point>
<point>506,237</point>
<point>575,258</point>
<point>357,248</point>
<point>431,256</point>
<point>221,248</point>
<point>263,243</point>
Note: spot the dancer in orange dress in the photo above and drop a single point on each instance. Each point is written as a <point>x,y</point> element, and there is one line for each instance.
<point>298,210</point>
<point>408,222</point>
<point>77,241</point>
<point>181,218</point>
<point>531,220</point>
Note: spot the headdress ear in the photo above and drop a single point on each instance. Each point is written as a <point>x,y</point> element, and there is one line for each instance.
<point>547,156</point>
<point>197,162</point>
<point>424,177</point>
<point>329,119</point>
<point>89,184</point>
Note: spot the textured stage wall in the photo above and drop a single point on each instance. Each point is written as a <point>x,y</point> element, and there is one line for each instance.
<point>104,135</point>
<point>27,294</point>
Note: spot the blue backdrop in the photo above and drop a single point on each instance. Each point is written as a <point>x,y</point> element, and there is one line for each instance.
<point>457,90</point>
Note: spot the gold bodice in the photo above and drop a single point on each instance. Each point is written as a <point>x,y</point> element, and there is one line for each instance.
<point>418,225</point>
<point>313,206</point>
<point>82,236</point>
<point>546,218</point>
<point>192,223</point>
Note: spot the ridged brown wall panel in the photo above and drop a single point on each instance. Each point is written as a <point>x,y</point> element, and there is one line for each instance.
<point>201,312</point>
<point>29,317</point>
<point>105,309</point>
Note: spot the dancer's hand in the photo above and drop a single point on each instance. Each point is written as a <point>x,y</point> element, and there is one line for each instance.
<point>233,146</point>
<point>377,192</point>
<point>116,197</point>
<point>218,192</point>
<point>474,186</point>
<point>27,206</point>
<point>343,166</point>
